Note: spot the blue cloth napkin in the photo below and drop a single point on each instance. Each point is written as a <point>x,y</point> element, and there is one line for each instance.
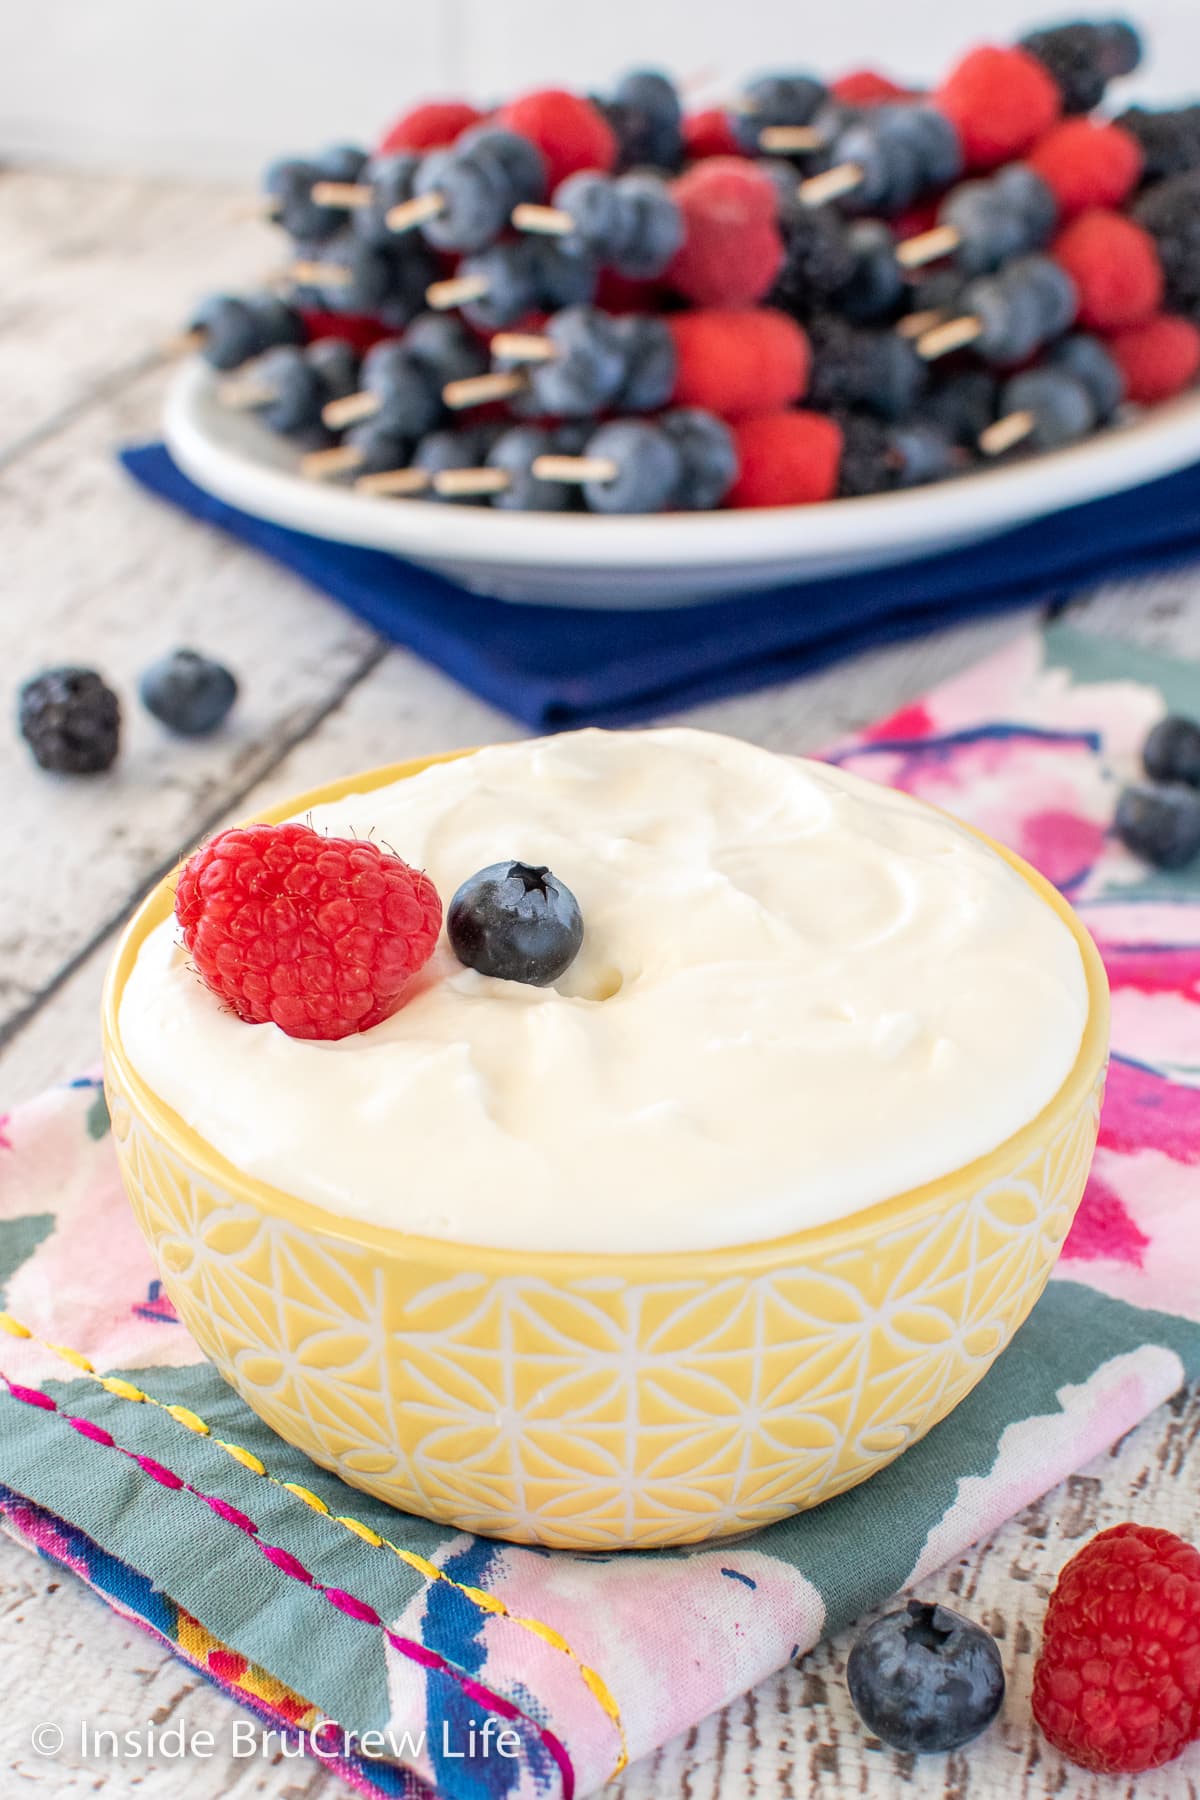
<point>556,667</point>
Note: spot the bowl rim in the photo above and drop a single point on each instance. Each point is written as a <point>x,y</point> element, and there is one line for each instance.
<point>911,522</point>
<point>809,1244</point>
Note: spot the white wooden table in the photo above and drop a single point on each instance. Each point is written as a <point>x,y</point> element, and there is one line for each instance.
<point>94,275</point>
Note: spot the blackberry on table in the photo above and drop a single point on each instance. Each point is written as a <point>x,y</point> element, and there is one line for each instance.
<point>71,720</point>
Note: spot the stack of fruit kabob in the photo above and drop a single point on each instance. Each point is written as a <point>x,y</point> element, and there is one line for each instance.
<point>819,291</point>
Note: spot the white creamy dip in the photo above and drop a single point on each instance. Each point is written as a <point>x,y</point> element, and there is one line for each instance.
<point>798,994</point>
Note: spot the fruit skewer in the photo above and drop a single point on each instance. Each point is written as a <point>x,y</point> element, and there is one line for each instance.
<point>558,133</point>
<point>289,386</point>
<point>1104,272</point>
<point>729,361</point>
<point>712,234</point>
<point>310,394</point>
<point>230,329</point>
<point>992,107</point>
<point>982,224</point>
<point>353,275</point>
<point>1084,380</point>
<point>461,195</point>
<point>684,460</point>
<point>681,460</point>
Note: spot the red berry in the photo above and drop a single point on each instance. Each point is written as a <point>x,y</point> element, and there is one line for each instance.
<point>786,459</point>
<point>1157,359</point>
<point>732,250</point>
<point>1088,162</point>
<point>1114,264</point>
<point>709,133</point>
<point>734,361</point>
<point>430,126</point>
<point>867,87</point>
<point>921,216</point>
<point>355,329</point>
<point>570,132</point>
<point>1001,102</point>
<point>1117,1685</point>
<point>621,294</point>
<point>320,936</point>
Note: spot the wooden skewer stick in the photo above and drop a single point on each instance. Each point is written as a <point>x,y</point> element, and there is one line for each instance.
<point>456,291</point>
<point>915,325</point>
<point>262,206</point>
<point>1007,432</point>
<point>843,178</point>
<point>399,482</point>
<point>186,343</point>
<point>351,409</point>
<point>414,212</point>
<point>928,246</point>
<point>343,459</point>
<point>954,334</point>
<point>549,221</point>
<point>463,482</point>
<point>351,194</point>
<point>320,274</point>
<point>246,394</point>
<point>782,139</point>
<point>575,468</point>
<point>477,390</point>
<point>523,346</point>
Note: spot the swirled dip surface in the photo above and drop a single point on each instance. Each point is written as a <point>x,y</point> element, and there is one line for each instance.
<point>798,994</point>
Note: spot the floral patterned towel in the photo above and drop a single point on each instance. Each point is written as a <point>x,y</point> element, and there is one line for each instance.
<point>405,1653</point>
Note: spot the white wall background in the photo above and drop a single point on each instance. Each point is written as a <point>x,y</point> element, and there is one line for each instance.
<point>214,87</point>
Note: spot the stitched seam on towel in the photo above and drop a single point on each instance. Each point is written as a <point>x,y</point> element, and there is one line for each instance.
<point>349,1605</point>
<point>487,1603</point>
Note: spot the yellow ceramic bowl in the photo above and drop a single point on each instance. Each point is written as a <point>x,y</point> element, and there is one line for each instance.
<point>592,1401</point>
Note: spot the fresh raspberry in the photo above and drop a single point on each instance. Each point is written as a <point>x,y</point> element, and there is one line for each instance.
<point>709,133</point>
<point>738,361</point>
<point>1157,359</point>
<point>1115,266</point>
<point>1001,102</point>
<point>867,87</point>
<point>429,127</point>
<point>318,935</point>
<point>1088,162</point>
<point>356,329</point>
<point>570,132</point>
<point>786,459</point>
<point>1117,1685</point>
<point>732,250</point>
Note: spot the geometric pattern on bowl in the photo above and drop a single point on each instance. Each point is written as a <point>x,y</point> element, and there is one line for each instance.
<point>602,1411</point>
<point>593,1401</point>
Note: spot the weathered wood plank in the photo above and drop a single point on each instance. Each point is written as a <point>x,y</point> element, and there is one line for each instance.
<point>95,572</point>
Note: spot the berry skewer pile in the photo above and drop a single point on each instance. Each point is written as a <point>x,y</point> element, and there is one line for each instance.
<point>821,290</point>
